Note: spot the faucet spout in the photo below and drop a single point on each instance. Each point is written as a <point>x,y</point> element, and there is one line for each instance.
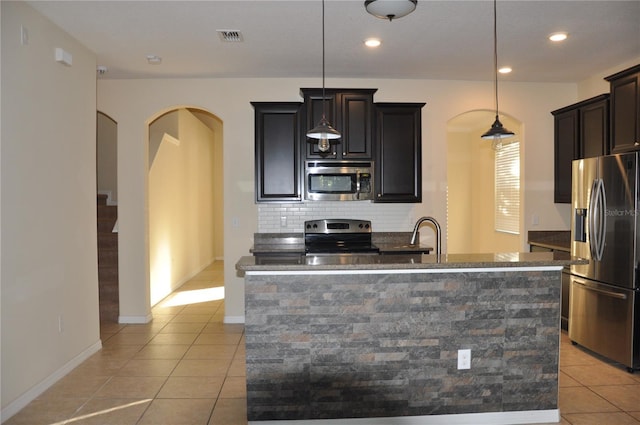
<point>436,225</point>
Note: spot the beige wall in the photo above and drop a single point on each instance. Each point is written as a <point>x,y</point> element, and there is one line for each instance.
<point>181,205</point>
<point>49,279</point>
<point>229,99</point>
<point>597,85</point>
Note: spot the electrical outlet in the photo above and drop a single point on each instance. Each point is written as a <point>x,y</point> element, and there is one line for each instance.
<point>60,328</point>
<point>283,221</point>
<point>464,359</point>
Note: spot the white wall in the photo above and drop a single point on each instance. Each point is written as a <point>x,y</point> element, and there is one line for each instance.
<point>49,278</point>
<point>229,99</point>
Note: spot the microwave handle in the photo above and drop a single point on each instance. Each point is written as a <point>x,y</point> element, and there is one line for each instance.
<point>358,184</point>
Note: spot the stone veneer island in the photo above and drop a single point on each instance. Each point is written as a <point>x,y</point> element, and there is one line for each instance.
<point>377,337</point>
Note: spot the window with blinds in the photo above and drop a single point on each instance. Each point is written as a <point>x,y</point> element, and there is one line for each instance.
<point>507,187</point>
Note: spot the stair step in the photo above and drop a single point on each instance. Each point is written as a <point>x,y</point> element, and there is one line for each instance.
<point>106,225</point>
<point>108,292</point>
<point>109,313</point>
<point>107,274</point>
<point>107,211</point>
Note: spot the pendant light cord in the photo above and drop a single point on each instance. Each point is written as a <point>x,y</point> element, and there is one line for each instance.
<point>495,51</point>
<point>323,97</point>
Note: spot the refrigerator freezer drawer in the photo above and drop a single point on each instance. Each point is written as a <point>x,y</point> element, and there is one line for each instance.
<point>601,318</point>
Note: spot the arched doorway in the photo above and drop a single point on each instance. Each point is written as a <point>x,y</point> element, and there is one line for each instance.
<point>185,197</point>
<point>474,202</point>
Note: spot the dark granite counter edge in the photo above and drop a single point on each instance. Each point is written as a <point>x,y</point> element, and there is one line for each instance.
<point>408,262</point>
<point>559,240</point>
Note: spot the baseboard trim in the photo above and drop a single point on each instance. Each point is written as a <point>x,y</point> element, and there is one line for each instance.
<point>491,418</point>
<point>30,395</point>
<point>234,319</point>
<point>135,320</point>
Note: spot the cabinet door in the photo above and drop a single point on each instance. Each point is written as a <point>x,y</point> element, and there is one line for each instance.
<point>356,125</point>
<point>594,129</point>
<point>350,111</point>
<point>277,151</point>
<point>398,160</point>
<point>625,113</point>
<point>565,151</point>
<point>314,107</point>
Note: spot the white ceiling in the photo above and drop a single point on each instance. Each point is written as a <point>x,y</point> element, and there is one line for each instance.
<point>439,40</point>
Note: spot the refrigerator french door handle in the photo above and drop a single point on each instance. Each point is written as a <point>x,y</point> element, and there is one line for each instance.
<point>591,220</point>
<point>600,291</point>
<point>602,218</point>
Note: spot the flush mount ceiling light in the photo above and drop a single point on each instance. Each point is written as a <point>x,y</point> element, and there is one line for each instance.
<point>497,130</point>
<point>372,42</point>
<point>558,36</point>
<point>323,132</point>
<point>390,9</point>
<point>505,70</point>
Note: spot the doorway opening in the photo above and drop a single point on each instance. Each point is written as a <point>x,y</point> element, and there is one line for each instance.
<point>185,197</point>
<point>484,196</point>
<point>107,216</point>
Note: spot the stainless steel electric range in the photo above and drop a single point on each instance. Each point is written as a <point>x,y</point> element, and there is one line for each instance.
<point>338,236</point>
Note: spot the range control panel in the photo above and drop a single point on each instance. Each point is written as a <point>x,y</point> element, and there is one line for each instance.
<point>336,225</point>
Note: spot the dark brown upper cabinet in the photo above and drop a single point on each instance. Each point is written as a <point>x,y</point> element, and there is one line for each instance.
<point>625,110</point>
<point>581,130</point>
<point>350,111</point>
<point>278,162</point>
<point>398,165</point>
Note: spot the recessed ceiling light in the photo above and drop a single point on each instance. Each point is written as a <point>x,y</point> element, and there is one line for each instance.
<point>558,36</point>
<point>154,60</point>
<point>505,70</point>
<point>372,42</point>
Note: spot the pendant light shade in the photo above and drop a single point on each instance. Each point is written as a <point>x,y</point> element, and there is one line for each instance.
<point>497,130</point>
<point>323,132</point>
<point>390,9</point>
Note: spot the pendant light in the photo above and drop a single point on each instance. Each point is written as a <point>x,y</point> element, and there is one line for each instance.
<point>497,130</point>
<point>390,9</point>
<point>323,132</point>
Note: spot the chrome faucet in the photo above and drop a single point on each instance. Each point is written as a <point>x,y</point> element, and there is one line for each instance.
<point>438,232</point>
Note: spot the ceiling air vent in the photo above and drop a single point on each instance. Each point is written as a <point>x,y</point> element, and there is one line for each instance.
<point>230,35</point>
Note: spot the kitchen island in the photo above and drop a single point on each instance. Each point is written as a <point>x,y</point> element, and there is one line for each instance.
<point>377,337</point>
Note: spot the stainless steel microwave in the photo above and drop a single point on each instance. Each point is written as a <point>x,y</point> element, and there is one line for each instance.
<point>338,181</point>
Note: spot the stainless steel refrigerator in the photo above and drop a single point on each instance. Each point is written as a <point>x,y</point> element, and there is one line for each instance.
<point>603,300</point>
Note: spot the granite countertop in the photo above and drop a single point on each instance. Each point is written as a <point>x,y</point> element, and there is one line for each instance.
<point>559,240</point>
<point>407,262</point>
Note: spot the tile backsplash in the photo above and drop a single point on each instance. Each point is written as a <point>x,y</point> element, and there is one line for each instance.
<point>290,217</point>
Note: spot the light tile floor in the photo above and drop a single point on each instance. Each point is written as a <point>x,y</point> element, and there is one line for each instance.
<point>187,367</point>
